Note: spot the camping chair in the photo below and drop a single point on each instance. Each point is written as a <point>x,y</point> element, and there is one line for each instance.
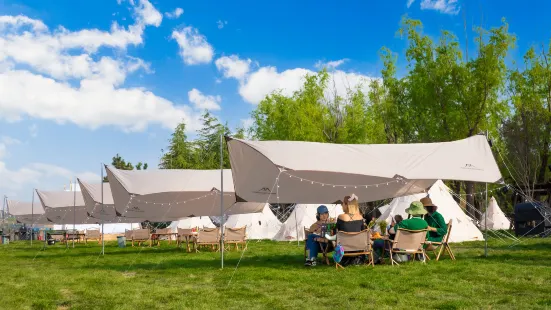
<point>207,236</point>
<point>92,234</point>
<point>355,244</point>
<point>128,235</point>
<point>441,246</point>
<point>235,236</point>
<point>141,235</point>
<point>306,233</point>
<point>408,242</point>
<point>184,234</point>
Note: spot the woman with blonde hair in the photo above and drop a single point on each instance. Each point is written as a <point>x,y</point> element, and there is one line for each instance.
<point>351,220</point>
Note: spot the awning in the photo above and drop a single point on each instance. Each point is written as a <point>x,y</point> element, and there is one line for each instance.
<point>100,205</point>
<point>309,172</point>
<point>25,213</point>
<point>173,193</point>
<point>63,207</point>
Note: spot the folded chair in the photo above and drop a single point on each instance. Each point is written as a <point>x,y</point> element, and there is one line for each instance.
<point>235,236</point>
<point>92,234</point>
<point>440,247</point>
<point>355,244</point>
<point>141,235</point>
<point>206,237</point>
<point>408,242</point>
<point>128,234</point>
<point>186,234</point>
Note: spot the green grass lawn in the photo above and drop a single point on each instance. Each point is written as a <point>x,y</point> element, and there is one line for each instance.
<point>271,275</point>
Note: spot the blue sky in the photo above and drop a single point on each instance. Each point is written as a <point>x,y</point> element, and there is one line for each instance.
<point>80,82</point>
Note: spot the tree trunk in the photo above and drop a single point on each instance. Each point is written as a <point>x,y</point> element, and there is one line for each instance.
<point>456,188</point>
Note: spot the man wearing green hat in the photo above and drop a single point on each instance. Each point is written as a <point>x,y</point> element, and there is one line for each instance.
<point>416,222</point>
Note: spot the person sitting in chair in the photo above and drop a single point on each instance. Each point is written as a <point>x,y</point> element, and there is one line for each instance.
<point>437,225</point>
<point>351,220</point>
<point>313,239</point>
<point>415,221</point>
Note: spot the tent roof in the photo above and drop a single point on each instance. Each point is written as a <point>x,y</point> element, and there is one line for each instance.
<point>309,172</point>
<point>60,199</point>
<point>93,190</point>
<point>143,182</point>
<point>23,208</point>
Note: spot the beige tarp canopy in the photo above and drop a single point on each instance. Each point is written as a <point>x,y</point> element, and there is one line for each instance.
<point>63,207</point>
<point>173,194</point>
<point>26,213</point>
<point>92,195</point>
<point>308,172</point>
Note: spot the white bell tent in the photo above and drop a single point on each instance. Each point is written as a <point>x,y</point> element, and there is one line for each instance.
<point>496,218</point>
<point>304,215</point>
<point>463,228</point>
<point>192,222</point>
<point>264,225</point>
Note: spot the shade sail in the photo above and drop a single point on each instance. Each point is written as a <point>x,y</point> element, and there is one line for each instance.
<point>27,213</point>
<point>173,194</point>
<point>309,172</point>
<point>63,207</point>
<point>100,205</point>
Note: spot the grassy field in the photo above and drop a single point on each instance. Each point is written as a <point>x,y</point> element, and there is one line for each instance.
<point>270,275</point>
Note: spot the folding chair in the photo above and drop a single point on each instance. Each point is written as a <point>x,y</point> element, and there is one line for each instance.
<point>207,236</point>
<point>441,246</point>
<point>141,235</point>
<point>355,244</point>
<point>184,234</point>
<point>128,234</point>
<point>92,234</point>
<point>235,236</point>
<point>409,242</point>
<point>73,235</point>
<point>162,232</point>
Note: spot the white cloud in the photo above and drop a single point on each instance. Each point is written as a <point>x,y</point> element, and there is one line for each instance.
<point>254,86</point>
<point>331,64</point>
<point>38,175</point>
<point>57,75</point>
<point>221,24</point>
<point>443,6</point>
<point>33,130</point>
<point>194,48</point>
<point>175,14</point>
<point>203,102</point>
<point>3,150</point>
<point>233,67</point>
<point>9,140</point>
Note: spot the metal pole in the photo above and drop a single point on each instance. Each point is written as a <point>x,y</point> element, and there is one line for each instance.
<point>102,220</point>
<point>3,215</point>
<point>486,218</point>
<point>222,200</point>
<point>32,218</point>
<point>74,210</point>
<point>296,223</point>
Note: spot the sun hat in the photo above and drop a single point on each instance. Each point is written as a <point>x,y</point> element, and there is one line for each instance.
<point>427,202</point>
<point>322,209</point>
<point>416,208</point>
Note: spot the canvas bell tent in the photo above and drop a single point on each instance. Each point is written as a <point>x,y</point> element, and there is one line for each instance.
<point>320,172</point>
<point>172,194</point>
<point>463,228</point>
<point>27,212</point>
<point>192,222</point>
<point>303,215</point>
<point>263,225</point>
<point>496,218</point>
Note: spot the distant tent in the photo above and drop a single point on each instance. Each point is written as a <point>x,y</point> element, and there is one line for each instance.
<point>304,215</point>
<point>383,209</point>
<point>463,227</point>
<point>27,213</point>
<point>496,217</point>
<point>263,225</point>
<point>192,222</point>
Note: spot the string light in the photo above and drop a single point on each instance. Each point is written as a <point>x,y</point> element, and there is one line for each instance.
<point>397,180</point>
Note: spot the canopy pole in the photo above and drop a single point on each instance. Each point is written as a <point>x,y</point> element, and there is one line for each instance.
<point>102,219</point>
<point>296,223</point>
<point>222,200</point>
<point>32,218</point>
<point>486,217</point>
<point>4,199</point>
<point>74,210</point>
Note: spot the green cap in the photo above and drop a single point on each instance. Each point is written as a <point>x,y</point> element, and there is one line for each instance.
<point>416,208</point>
